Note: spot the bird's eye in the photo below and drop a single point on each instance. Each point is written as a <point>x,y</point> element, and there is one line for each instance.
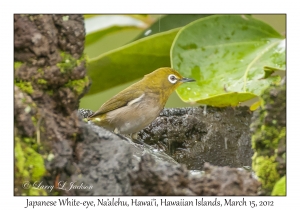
<point>172,78</point>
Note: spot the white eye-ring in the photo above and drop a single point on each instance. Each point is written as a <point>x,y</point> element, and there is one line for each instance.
<point>172,78</point>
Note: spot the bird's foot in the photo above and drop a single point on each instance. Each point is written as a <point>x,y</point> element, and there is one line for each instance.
<point>129,137</point>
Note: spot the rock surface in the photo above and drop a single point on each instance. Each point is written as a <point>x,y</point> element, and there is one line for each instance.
<point>152,175</point>
<point>49,79</point>
<point>269,138</point>
<point>220,137</point>
<point>104,160</point>
<point>153,178</point>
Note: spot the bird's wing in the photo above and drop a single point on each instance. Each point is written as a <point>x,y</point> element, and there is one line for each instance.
<point>120,100</point>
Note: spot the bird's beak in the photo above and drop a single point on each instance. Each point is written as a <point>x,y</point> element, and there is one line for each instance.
<point>187,80</point>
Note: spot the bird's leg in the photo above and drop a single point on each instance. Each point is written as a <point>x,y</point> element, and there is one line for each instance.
<point>134,136</point>
<point>131,137</point>
<point>135,139</point>
<point>117,132</point>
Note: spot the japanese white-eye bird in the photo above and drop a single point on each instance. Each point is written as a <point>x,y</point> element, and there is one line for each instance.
<point>138,105</point>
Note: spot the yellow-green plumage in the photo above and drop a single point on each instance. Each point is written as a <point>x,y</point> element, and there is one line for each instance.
<point>137,106</point>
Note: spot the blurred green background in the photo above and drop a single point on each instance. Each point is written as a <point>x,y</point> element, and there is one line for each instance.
<point>135,28</point>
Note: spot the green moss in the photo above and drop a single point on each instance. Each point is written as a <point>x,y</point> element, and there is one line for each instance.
<point>68,62</point>
<point>25,86</point>
<point>29,164</point>
<point>82,58</point>
<point>34,120</point>
<point>20,160</point>
<point>27,109</point>
<point>41,71</point>
<point>49,92</point>
<point>280,187</point>
<point>36,192</point>
<point>265,169</point>
<point>78,85</point>
<point>42,81</point>
<point>35,164</point>
<point>29,140</point>
<point>17,64</point>
<point>65,18</point>
<point>50,157</point>
<point>269,137</point>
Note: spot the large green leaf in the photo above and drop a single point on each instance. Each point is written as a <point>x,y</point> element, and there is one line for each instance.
<point>226,54</point>
<point>131,61</point>
<point>168,22</point>
<point>107,39</point>
<point>108,32</point>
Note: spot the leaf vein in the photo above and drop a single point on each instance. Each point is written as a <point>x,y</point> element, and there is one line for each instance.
<point>267,48</point>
